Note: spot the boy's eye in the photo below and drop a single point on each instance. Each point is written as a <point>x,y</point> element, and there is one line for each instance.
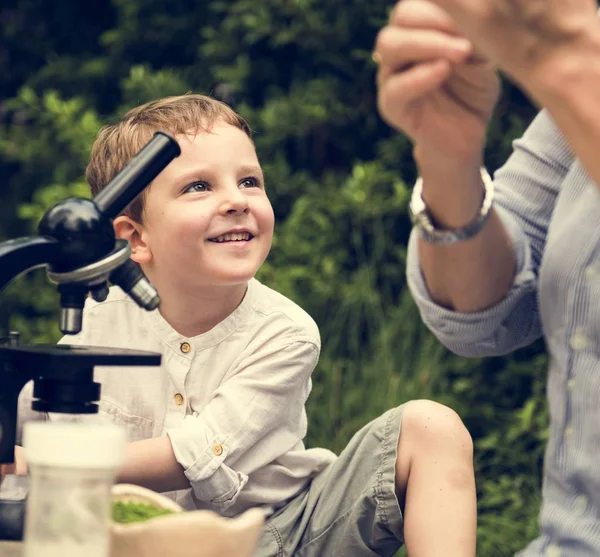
<point>196,187</point>
<point>250,182</point>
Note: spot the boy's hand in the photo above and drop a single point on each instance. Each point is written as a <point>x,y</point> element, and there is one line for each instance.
<point>525,38</point>
<point>18,467</point>
<point>431,84</point>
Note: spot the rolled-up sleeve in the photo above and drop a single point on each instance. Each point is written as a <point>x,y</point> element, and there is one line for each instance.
<point>254,417</point>
<point>497,330</point>
<point>526,190</point>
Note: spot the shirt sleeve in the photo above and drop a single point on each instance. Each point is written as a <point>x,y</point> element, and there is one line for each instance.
<point>526,190</point>
<point>255,416</point>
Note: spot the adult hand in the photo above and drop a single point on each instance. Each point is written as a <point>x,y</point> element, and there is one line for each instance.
<point>525,38</point>
<point>432,86</point>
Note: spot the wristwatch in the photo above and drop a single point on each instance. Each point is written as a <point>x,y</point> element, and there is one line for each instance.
<point>422,221</point>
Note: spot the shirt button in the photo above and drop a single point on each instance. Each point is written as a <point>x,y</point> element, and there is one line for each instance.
<point>580,504</point>
<point>178,398</point>
<point>579,341</point>
<point>568,431</point>
<point>185,347</point>
<point>570,385</point>
<point>217,449</point>
<point>553,551</point>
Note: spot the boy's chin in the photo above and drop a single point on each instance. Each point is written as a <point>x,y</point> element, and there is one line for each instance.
<point>233,278</point>
<point>222,274</point>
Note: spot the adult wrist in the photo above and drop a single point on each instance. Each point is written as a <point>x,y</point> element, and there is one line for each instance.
<point>452,187</point>
<point>432,161</point>
<point>432,231</point>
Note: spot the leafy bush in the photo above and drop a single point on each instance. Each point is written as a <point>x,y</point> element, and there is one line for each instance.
<point>301,72</point>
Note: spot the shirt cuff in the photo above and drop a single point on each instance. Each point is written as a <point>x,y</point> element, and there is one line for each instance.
<point>487,332</point>
<point>202,453</point>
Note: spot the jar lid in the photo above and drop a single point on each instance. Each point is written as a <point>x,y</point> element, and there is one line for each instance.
<point>74,445</point>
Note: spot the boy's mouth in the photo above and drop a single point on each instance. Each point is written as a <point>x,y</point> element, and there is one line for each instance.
<point>232,237</point>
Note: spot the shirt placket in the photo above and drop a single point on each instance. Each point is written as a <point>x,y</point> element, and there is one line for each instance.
<point>177,402</point>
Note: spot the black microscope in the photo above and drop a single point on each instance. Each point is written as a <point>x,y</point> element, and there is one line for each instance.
<point>77,245</point>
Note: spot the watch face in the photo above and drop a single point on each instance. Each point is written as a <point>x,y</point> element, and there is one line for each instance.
<point>416,208</point>
<point>417,205</point>
<point>411,214</point>
<point>413,218</point>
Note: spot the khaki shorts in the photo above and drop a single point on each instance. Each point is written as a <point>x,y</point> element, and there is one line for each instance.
<point>351,508</point>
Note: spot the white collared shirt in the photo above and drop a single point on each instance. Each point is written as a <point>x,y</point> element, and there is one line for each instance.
<point>232,400</point>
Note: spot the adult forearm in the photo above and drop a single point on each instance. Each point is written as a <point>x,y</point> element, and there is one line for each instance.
<point>151,463</point>
<point>568,86</point>
<point>471,275</point>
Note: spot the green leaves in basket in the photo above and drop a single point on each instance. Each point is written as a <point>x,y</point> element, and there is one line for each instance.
<point>126,513</point>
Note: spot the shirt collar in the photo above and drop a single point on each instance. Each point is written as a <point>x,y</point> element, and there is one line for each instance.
<point>215,335</point>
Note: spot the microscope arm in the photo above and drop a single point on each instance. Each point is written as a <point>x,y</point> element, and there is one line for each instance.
<point>22,254</point>
<point>77,245</point>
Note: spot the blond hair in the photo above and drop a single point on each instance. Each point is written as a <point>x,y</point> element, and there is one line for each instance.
<point>116,144</point>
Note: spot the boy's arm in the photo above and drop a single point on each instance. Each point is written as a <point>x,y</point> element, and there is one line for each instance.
<point>151,463</point>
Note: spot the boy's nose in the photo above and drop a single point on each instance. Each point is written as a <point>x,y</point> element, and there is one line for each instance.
<point>235,201</point>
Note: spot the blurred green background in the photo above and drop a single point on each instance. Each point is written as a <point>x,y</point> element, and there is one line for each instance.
<point>300,71</point>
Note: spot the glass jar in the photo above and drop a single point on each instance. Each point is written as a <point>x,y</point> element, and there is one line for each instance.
<point>72,468</point>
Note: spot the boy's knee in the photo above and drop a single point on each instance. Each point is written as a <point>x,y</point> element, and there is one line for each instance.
<point>429,424</point>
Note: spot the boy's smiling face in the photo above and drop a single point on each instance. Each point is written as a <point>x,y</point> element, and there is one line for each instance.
<point>207,219</point>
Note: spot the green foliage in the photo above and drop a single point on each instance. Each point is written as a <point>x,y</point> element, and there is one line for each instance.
<point>128,512</point>
<point>300,71</point>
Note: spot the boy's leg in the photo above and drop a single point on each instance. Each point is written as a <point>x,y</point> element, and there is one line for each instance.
<point>352,508</point>
<point>435,482</point>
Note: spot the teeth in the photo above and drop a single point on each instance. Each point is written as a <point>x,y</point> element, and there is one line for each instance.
<point>235,237</point>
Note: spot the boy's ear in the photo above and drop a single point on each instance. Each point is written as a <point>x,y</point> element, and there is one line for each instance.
<point>128,229</point>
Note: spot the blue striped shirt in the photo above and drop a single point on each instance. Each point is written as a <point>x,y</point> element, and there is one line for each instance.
<point>551,209</point>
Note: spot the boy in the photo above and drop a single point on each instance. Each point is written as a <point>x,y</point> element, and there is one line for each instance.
<point>221,423</point>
